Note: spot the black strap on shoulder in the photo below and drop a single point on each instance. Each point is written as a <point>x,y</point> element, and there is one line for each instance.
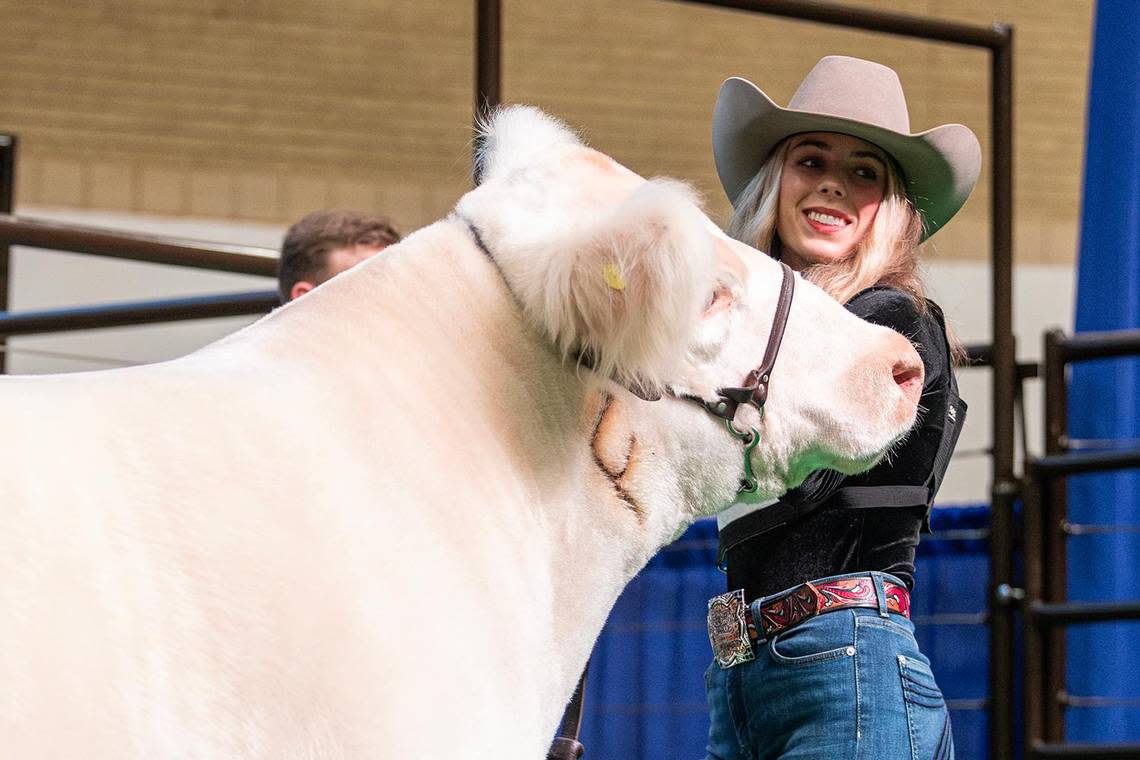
<point>566,745</point>
<point>871,497</point>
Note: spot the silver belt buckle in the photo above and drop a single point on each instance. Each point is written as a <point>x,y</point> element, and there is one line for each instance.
<point>728,629</point>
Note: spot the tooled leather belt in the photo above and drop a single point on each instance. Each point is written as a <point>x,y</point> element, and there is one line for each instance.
<point>733,628</point>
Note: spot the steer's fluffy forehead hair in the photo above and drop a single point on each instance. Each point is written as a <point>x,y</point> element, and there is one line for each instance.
<point>607,264</point>
<point>516,136</point>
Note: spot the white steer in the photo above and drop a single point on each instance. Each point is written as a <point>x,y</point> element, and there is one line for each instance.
<point>389,520</point>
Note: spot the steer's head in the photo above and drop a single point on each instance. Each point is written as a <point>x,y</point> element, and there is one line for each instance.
<point>631,274</point>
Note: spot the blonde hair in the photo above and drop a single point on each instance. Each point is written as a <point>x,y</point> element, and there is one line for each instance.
<point>887,254</point>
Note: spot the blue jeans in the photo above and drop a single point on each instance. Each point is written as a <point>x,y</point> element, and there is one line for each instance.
<point>844,685</point>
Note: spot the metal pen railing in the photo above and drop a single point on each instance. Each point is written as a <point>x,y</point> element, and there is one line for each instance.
<point>7,199</point>
<point>57,236</point>
<point>1047,528</point>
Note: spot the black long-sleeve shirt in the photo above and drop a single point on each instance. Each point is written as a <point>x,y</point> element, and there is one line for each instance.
<point>830,538</point>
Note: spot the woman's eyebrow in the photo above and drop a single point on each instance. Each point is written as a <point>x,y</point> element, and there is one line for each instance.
<point>813,143</point>
<point>870,154</point>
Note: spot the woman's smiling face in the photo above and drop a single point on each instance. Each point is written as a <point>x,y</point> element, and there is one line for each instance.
<point>830,191</point>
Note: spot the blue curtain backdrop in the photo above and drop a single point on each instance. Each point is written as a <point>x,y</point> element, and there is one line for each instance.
<point>645,695</point>
<point>1104,395</point>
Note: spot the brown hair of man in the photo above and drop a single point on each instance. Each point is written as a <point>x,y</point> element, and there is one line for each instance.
<point>325,243</point>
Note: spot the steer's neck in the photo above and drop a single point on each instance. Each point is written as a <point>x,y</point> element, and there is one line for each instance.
<point>569,482</point>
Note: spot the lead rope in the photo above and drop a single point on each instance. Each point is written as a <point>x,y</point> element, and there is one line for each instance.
<point>566,745</point>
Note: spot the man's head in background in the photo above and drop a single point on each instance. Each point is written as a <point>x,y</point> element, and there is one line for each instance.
<point>326,243</point>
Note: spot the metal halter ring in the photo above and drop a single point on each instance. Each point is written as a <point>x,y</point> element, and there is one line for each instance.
<point>750,438</point>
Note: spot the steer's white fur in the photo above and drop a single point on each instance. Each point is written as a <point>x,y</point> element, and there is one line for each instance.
<point>388,520</point>
<point>654,246</point>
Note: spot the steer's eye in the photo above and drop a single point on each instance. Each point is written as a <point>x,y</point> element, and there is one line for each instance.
<point>720,300</point>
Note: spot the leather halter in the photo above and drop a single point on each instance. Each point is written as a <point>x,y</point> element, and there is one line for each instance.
<point>755,388</point>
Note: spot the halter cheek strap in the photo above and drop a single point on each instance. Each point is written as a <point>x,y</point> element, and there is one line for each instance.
<point>754,390</point>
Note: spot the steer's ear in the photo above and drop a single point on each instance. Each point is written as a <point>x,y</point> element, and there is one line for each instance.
<point>628,290</point>
<point>511,137</point>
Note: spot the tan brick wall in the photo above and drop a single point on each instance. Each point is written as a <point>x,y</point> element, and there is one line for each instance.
<point>265,109</point>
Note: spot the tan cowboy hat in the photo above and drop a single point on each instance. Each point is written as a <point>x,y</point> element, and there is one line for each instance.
<point>854,97</point>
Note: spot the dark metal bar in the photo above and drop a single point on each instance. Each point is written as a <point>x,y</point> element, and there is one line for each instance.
<point>1102,444</point>
<point>959,534</point>
<point>1092,529</point>
<point>1034,697</point>
<point>7,201</point>
<point>136,313</point>
<point>1005,486</point>
<point>1095,751</point>
<point>7,172</point>
<point>978,354</point>
<point>1077,613</point>
<point>1055,549</point>
<point>982,703</point>
<point>1019,415</point>
<point>907,25</point>
<point>1081,462</point>
<point>488,58</point>
<point>220,257</point>
<point>981,355</point>
<point>1080,700</point>
<point>951,618</point>
<point>1100,345</point>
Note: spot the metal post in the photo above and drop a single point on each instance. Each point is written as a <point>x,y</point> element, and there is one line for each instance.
<point>1055,549</point>
<point>488,43</point>
<point>7,200</point>
<point>488,35</point>
<point>1005,485</point>
<point>1033,508</point>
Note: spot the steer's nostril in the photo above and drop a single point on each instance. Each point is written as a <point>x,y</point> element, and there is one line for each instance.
<point>907,376</point>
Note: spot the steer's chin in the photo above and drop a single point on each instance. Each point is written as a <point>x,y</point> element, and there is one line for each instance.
<point>857,465</point>
<point>859,462</point>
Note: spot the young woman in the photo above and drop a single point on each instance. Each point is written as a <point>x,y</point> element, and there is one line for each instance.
<point>815,651</point>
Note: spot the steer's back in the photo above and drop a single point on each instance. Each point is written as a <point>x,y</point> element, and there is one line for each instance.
<point>233,555</point>
<point>165,572</point>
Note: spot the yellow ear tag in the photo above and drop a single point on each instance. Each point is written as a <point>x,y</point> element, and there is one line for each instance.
<point>613,276</point>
